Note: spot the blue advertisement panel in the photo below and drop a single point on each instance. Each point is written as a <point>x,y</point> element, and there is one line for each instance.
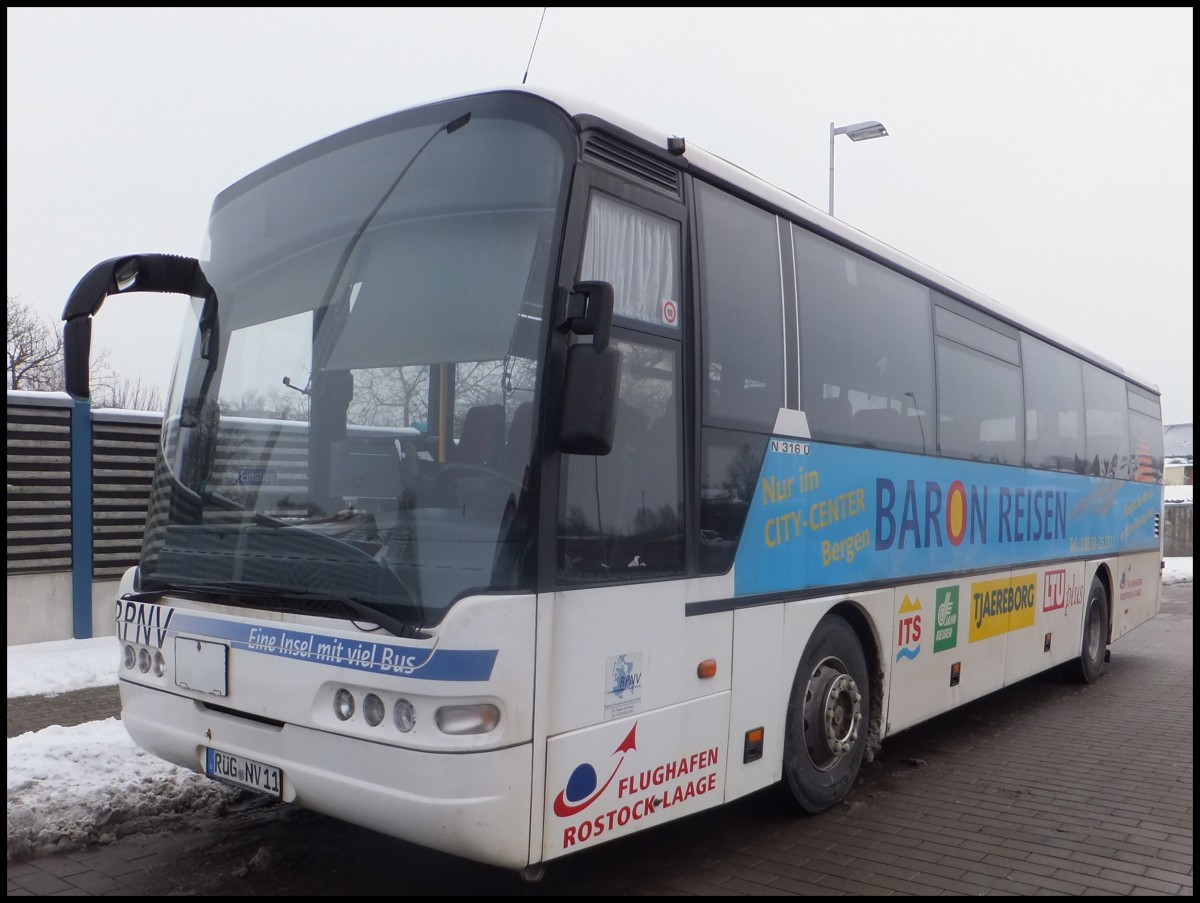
<point>824,515</point>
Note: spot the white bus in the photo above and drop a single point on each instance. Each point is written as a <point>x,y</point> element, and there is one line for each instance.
<point>530,478</point>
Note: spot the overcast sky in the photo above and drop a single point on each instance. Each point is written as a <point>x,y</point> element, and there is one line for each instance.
<point>1040,156</point>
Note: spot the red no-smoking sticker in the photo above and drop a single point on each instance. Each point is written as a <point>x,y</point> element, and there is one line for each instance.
<point>670,312</point>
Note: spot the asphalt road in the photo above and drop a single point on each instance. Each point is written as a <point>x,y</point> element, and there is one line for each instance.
<point>1046,787</point>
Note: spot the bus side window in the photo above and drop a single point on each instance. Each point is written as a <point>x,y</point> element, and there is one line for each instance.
<point>742,315</point>
<point>1107,419</point>
<point>1053,388</point>
<point>829,418</point>
<point>866,329</point>
<point>742,311</point>
<point>877,427</point>
<point>621,515</point>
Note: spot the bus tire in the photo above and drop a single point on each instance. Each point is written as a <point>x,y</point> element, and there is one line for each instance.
<point>1093,651</point>
<point>827,718</point>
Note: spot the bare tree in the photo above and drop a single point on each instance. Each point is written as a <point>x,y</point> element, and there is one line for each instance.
<point>125,394</point>
<point>36,362</point>
<point>34,348</point>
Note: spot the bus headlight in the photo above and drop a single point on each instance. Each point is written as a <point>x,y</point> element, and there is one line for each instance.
<point>373,710</point>
<point>130,657</point>
<point>343,704</point>
<point>160,664</point>
<point>468,719</point>
<point>404,715</point>
<point>144,660</point>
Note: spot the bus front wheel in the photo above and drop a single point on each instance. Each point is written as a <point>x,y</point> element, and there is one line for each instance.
<point>826,734</point>
<point>1094,650</point>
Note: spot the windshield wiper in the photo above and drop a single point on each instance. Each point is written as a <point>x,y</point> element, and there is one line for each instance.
<point>370,611</point>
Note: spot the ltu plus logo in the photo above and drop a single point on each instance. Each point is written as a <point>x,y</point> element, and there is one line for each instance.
<point>1054,590</point>
<point>583,787</point>
<point>1060,592</point>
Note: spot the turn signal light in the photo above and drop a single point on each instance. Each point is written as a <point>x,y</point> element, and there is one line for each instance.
<point>467,719</point>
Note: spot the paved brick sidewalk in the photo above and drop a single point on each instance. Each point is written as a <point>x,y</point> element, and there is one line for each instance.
<point>32,713</point>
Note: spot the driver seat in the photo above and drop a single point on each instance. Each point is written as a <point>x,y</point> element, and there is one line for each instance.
<point>482,436</point>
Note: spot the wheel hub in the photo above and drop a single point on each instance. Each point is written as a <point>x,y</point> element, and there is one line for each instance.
<point>842,714</point>
<point>832,714</point>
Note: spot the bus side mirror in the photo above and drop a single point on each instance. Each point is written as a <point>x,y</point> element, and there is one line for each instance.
<point>77,353</point>
<point>589,400</point>
<point>166,273</point>
<point>589,311</point>
<point>592,376</point>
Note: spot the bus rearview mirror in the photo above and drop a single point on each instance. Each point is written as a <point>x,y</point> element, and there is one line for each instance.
<point>589,400</point>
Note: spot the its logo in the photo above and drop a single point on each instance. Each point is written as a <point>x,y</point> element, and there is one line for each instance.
<point>583,787</point>
<point>908,627</point>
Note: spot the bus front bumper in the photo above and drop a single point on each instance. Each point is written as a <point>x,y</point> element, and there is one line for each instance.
<point>475,805</point>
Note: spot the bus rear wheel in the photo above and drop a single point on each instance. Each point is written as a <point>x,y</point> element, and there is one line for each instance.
<point>826,734</point>
<point>1094,650</point>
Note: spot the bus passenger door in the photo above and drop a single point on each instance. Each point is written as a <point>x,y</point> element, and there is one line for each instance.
<point>635,722</point>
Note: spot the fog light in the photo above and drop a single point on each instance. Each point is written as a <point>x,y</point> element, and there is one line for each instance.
<point>144,660</point>
<point>468,719</point>
<point>130,657</point>
<point>160,664</point>
<point>343,704</point>
<point>373,710</point>
<point>404,715</point>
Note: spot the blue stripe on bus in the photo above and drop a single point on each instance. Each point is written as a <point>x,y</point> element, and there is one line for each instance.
<point>369,656</point>
<point>830,515</point>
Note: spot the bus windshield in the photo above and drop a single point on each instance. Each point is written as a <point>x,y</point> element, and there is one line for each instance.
<point>358,425</point>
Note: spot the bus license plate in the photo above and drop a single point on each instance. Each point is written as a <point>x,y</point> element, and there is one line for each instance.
<point>243,772</point>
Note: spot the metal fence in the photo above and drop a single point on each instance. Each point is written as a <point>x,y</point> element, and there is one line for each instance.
<point>39,484</point>
<point>1177,531</point>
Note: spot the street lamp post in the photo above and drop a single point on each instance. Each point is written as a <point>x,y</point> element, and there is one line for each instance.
<point>859,131</point>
